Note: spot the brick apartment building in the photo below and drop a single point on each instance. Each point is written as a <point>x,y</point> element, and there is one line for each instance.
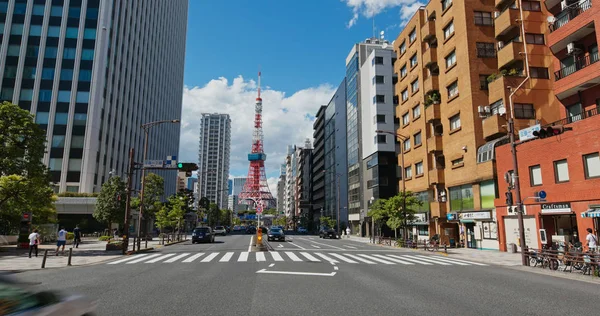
<point>456,62</point>
<point>565,166</point>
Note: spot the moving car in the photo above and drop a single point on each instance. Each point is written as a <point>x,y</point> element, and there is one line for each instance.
<point>328,233</point>
<point>302,230</point>
<point>251,230</point>
<point>220,230</point>
<point>201,234</point>
<point>276,233</point>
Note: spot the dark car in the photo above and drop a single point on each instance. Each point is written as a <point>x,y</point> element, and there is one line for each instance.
<point>251,230</point>
<point>276,234</point>
<point>328,233</point>
<point>201,234</point>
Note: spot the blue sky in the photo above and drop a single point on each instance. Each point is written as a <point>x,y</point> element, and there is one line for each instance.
<point>300,47</point>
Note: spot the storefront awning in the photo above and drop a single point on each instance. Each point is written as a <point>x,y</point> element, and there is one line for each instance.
<point>594,212</point>
<point>467,221</point>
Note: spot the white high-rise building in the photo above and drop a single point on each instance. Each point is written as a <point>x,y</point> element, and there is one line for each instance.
<point>238,185</point>
<point>213,161</point>
<point>92,72</point>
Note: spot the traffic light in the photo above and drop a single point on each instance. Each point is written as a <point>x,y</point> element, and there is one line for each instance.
<point>551,131</point>
<point>26,218</point>
<point>187,167</point>
<point>509,198</point>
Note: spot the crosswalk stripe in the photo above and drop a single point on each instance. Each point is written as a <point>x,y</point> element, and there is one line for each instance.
<point>359,258</point>
<point>376,259</point>
<point>310,257</point>
<point>260,256</point>
<point>127,259</point>
<point>161,258</point>
<point>431,260</point>
<point>183,255</point>
<point>292,256</point>
<point>194,257</point>
<point>458,261</point>
<point>276,256</point>
<point>441,260</point>
<point>411,260</point>
<point>143,258</point>
<point>342,258</point>
<point>210,257</point>
<point>226,257</point>
<point>326,257</point>
<point>243,257</point>
<point>393,259</point>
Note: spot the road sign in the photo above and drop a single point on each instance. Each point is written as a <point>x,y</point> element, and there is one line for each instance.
<point>259,209</point>
<point>171,161</point>
<point>527,133</point>
<point>542,194</point>
<point>154,163</point>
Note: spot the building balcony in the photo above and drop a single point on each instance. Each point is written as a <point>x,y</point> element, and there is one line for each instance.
<point>432,112</point>
<point>497,88</point>
<point>494,126</point>
<point>434,143</point>
<point>430,84</point>
<point>436,176</point>
<point>569,13</point>
<point>438,209</point>
<point>509,54</point>
<point>506,22</point>
<point>582,74</point>
<point>572,25</point>
<point>428,30</point>
<point>430,57</point>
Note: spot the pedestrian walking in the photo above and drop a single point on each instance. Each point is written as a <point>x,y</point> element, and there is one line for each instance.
<point>592,242</point>
<point>116,234</point>
<point>348,231</point>
<point>34,241</point>
<point>61,240</point>
<point>76,236</point>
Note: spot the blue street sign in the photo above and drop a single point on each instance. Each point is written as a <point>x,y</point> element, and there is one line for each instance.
<point>451,216</point>
<point>542,194</point>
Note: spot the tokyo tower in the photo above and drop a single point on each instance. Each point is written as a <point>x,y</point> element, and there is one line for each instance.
<point>256,190</point>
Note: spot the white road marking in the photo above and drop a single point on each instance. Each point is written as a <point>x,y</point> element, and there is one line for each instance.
<point>250,245</point>
<point>310,257</point>
<point>415,260</point>
<point>243,257</point>
<point>276,256</point>
<point>127,259</point>
<point>316,246</point>
<point>296,273</point>
<point>280,246</point>
<point>335,268</point>
<point>351,247</point>
<point>432,261</point>
<point>292,256</point>
<point>318,243</point>
<point>343,258</point>
<point>393,259</point>
<point>210,257</point>
<point>260,256</point>
<point>297,246</point>
<point>227,257</point>
<point>458,261</point>
<point>376,259</point>
<point>161,258</point>
<point>143,258</point>
<point>271,265</point>
<point>177,257</point>
<point>326,257</point>
<point>359,258</point>
<point>194,257</point>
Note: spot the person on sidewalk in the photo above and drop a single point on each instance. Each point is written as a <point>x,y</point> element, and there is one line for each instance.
<point>61,240</point>
<point>592,242</point>
<point>34,241</point>
<point>348,232</point>
<point>76,236</point>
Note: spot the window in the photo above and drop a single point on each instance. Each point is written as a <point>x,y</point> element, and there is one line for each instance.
<point>455,122</point>
<point>487,192</point>
<point>58,141</point>
<point>413,35</point>
<point>483,18</point>
<point>32,51</point>
<point>55,164</point>
<point>490,230</point>
<point>532,38</point>
<point>591,163</point>
<point>417,139</point>
<point>380,139</point>
<point>16,29</point>
<point>42,117</point>
<point>51,52</point>
<point>405,95</point>
<point>48,73</point>
<point>377,60</point>
<point>74,165</point>
<point>64,96</point>
<point>403,71</point>
<point>531,5</point>
<point>538,72</point>
<point>379,98</point>
<point>485,50</point>
<point>413,60</point>
<point>483,82</point>
<point>406,145</point>
<point>74,12</point>
<point>414,86</point>
<point>73,188</point>
<point>461,198</point>
<point>372,162</point>
<point>56,11</point>
<point>452,89</point>
<point>69,53</point>
<point>92,13</point>
<point>446,4</point>
<point>53,31</point>
<point>561,171</point>
<point>1,28</point>
<point>449,30</point>
<point>451,59</point>
<point>14,50</point>
<point>495,108</point>
<point>408,172</point>
<point>72,32</point>
<point>66,74</point>
<point>10,72</point>
<point>45,95</point>
<point>26,95</point>
<point>82,97</point>
<point>38,9</point>
<point>379,118</point>
<point>574,112</point>
<point>524,111</point>
<point>458,162</point>
<point>35,30</point>
<point>405,119</point>
<point>77,141</point>
<point>423,230</point>
<point>419,168</point>
<point>85,75</point>
<point>378,80</point>
<point>3,6</point>
<point>87,54</point>
<point>535,175</point>
<point>61,118</point>
<point>79,119</point>
<point>416,112</point>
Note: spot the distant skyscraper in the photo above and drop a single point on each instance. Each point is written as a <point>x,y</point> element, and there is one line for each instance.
<point>229,187</point>
<point>213,166</point>
<point>238,185</point>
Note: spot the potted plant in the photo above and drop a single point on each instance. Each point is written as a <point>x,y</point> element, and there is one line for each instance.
<point>114,245</point>
<point>513,72</point>
<point>491,78</point>
<point>435,97</point>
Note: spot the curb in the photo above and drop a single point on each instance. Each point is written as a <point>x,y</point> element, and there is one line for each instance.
<point>139,251</point>
<point>170,244</point>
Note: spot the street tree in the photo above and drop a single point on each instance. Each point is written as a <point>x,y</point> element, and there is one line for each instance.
<point>162,219</point>
<point>328,222</point>
<point>176,211</point>
<point>379,212</point>
<point>110,205</point>
<point>154,189</point>
<point>213,215</point>
<point>24,179</point>
<point>279,221</point>
<point>401,211</point>
<point>270,211</point>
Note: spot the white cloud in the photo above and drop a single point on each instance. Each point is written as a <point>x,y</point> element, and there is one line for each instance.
<point>370,8</point>
<point>285,120</point>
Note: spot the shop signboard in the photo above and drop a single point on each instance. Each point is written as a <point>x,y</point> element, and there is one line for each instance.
<point>553,208</point>
<point>419,218</point>
<point>475,215</point>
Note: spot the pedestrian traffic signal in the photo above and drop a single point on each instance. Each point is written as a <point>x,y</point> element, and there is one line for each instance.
<point>187,167</point>
<point>551,131</point>
<point>509,198</point>
<point>26,217</point>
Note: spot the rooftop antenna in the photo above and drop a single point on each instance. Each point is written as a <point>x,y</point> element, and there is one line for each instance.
<point>258,98</point>
<point>373,26</point>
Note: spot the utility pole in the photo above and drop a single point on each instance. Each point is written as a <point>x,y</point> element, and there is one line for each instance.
<point>517,185</point>
<point>128,205</point>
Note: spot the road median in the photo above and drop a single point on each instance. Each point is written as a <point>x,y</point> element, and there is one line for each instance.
<point>254,247</point>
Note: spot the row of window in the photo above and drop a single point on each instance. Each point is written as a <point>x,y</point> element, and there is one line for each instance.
<point>60,118</point>
<point>66,74</point>
<point>45,95</point>
<point>73,12</point>
<point>53,31</point>
<point>51,52</point>
<point>591,164</point>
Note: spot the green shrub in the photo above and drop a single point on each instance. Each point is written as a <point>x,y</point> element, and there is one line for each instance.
<point>104,238</point>
<point>70,236</point>
<point>76,194</point>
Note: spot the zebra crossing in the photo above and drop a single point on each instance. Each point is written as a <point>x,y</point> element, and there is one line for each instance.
<point>294,256</point>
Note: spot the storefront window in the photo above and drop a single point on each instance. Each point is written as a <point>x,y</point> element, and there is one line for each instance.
<point>423,230</point>
<point>490,230</point>
<point>487,191</point>
<point>461,198</point>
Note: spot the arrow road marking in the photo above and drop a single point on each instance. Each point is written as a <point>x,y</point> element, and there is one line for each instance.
<point>296,273</point>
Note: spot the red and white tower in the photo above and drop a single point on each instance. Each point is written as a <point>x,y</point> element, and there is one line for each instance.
<point>256,190</point>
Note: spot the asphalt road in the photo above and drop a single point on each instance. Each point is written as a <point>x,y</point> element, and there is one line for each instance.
<point>223,279</point>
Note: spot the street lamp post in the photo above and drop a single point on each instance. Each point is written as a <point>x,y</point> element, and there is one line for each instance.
<point>146,128</point>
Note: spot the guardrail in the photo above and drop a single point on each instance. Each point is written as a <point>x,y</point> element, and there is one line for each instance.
<point>409,243</point>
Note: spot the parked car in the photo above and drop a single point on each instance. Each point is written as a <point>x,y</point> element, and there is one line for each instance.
<point>251,230</point>
<point>302,230</point>
<point>220,230</point>
<point>201,234</point>
<point>276,234</point>
<point>328,233</point>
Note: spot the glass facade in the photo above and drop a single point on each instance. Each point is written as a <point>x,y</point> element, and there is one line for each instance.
<point>461,198</point>
<point>352,86</point>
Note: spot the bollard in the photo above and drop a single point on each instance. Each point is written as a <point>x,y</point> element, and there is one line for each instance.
<point>445,248</point>
<point>44,260</point>
<point>134,239</point>
<point>70,254</point>
<point>146,243</point>
<point>163,239</point>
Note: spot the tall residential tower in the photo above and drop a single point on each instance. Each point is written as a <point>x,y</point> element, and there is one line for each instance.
<point>213,161</point>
